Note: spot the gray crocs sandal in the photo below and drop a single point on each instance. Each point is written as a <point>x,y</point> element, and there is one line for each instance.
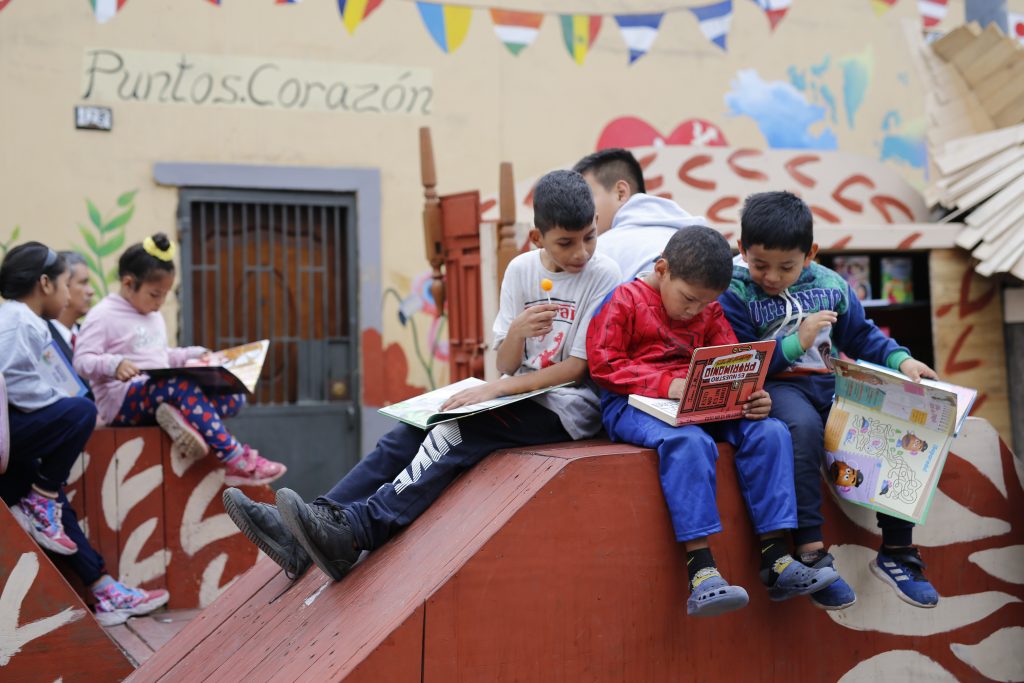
<point>712,595</point>
<point>796,578</point>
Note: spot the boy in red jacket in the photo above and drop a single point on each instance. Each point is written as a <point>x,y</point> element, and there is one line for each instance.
<point>640,342</point>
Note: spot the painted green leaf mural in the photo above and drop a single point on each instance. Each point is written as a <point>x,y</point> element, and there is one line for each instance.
<point>104,239</point>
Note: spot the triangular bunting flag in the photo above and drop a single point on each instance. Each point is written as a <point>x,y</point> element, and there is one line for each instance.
<point>106,9</point>
<point>354,11</point>
<point>579,32</point>
<point>447,24</point>
<point>3,3</point>
<point>1015,26</point>
<point>516,29</point>
<point>287,2</point>
<point>214,2</point>
<point>639,32</point>
<point>932,12</point>
<point>882,6</point>
<point>775,9</point>
<point>714,21</point>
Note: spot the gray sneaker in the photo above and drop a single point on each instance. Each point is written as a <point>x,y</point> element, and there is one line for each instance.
<point>261,524</point>
<point>322,530</point>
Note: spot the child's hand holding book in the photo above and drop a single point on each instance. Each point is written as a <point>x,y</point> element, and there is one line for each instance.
<point>916,370</point>
<point>758,406</point>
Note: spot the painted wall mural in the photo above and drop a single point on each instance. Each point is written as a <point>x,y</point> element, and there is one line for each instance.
<point>9,242</point>
<point>104,238</point>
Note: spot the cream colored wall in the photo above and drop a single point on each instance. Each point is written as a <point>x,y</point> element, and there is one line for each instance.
<point>538,109</point>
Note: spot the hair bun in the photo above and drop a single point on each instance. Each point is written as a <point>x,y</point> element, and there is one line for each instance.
<point>161,241</point>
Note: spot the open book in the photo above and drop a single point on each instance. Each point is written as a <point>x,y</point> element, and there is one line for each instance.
<point>230,371</point>
<point>424,411</point>
<point>887,437</point>
<point>718,383</point>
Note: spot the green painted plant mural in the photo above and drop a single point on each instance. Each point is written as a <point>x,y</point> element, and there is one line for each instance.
<point>4,246</point>
<point>104,238</point>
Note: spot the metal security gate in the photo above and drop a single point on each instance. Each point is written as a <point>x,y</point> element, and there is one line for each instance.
<point>280,266</point>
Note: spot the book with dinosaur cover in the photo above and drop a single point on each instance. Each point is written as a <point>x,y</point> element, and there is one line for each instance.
<point>718,383</point>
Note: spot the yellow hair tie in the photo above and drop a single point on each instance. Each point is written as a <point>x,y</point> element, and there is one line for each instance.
<point>163,254</point>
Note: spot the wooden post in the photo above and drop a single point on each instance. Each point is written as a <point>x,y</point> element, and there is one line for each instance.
<point>432,217</point>
<point>507,247</point>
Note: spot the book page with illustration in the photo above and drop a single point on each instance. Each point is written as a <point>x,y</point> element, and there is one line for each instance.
<point>887,438</point>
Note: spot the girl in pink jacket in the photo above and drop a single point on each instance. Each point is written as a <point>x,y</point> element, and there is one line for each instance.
<point>125,333</point>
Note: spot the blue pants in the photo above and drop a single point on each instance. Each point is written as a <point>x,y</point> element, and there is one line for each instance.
<point>410,468</point>
<point>687,459</point>
<point>804,404</point>
<point>44,446</point>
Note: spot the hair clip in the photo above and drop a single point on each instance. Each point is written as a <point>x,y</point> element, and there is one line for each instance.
<point>163,254</point>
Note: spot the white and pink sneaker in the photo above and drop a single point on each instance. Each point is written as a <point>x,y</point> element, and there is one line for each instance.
<point>251,469</point>
<point>181,431</point>
<point>117,602</point>
<point>40,517</point>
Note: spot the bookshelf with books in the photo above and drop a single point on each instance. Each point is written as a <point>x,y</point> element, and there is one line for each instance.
<point>894,290</point>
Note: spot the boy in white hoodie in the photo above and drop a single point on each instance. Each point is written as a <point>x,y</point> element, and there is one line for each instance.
<point>633,227</point>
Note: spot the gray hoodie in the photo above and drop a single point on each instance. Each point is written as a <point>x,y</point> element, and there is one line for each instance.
<point>640,230</point>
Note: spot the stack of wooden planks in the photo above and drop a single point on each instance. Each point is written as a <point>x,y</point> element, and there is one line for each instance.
<point>975,110</point>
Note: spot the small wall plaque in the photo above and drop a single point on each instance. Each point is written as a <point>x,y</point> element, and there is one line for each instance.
<point>94,118</point>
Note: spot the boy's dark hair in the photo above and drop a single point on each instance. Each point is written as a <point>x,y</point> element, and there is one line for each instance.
<point>777,220</point>
<point>562,199</point>
<point>142,265</point>
<point>609,166</point>
<point>701,256</point>
<point>24,265</point>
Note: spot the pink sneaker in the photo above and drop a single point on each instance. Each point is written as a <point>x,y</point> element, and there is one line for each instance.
<point>40,517</point>
<point>181,431</point>
<point>117,602</point>
<point>251,469</point>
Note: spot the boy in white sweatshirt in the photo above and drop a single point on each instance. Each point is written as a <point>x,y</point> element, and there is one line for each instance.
<point>633,227</point>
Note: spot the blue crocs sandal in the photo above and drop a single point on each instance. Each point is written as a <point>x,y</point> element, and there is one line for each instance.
<point>903,570</point>
<point>796,578</point>
<point>712,595</point>
<point>837,596</point>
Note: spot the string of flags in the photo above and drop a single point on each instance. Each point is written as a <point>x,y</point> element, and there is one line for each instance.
<point>448,24</point>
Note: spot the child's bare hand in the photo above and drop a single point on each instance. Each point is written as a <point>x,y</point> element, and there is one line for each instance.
<point>758,405</point>
<point>915,370</point>
<point>467,397</point>
<point>677,388</point>
<point>812,326</point>
<point>535,321</point>
<point>126,370</point>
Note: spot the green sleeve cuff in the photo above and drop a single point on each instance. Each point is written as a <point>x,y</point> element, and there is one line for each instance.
<point>791,348</point>
<point>896,358</point>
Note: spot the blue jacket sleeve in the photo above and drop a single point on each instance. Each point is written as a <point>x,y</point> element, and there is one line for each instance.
<point>859,337</point>
<point>736,312</point>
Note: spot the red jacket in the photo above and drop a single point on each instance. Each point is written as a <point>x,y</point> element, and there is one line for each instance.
<point>634,348</point>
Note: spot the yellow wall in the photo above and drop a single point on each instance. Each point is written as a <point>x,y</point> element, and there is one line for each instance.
<point>538,109</point>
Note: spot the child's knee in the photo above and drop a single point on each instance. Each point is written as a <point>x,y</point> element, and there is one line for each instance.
<point>81,410</point>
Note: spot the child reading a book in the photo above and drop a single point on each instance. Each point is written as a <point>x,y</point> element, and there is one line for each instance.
<point>633,227</point>
<point>778,292</point>
<point>49,429</point>
<point>539,344</point>
<point>640,342</point>
<point>125,333</point>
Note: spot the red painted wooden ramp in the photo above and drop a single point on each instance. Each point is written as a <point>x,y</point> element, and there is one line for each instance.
<point>558,564</point>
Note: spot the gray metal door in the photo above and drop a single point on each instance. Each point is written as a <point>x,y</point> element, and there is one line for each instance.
<point>281,266</point>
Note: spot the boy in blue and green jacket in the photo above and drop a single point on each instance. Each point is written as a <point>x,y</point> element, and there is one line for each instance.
<point>778,292</point>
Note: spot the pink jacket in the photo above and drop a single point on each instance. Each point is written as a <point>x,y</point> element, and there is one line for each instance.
<point>113,331</point>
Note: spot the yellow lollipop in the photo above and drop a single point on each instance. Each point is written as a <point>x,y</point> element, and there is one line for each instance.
<point>546,285</point>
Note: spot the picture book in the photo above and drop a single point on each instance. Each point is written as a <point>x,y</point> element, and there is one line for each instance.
<point>56,370</point>
<point>897,279</point>
<point>424,411</point>
<point>856,270</point>
<point>887,437</point>
<point>718,383</point>
<point>231,371</point>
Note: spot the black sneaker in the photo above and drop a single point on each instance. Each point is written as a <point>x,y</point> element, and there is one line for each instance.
<point>261,524</point>
<point>322,530</point>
